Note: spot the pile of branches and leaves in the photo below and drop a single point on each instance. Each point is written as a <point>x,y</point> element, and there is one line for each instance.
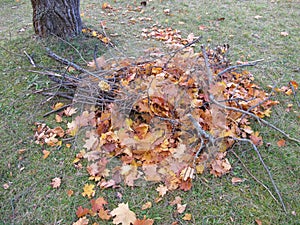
<point>161,119</point>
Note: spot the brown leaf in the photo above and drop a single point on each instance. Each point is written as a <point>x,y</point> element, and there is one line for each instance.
<point>70,193</point>
<point>82,211</point>
<point>236,180</point>
<point>281,143</point>
<point>98,203</point>
<point>122,214</point>
<point>56,182</point>
<point>45,154</point>
<point>258,222</point>
<point>181,208</point>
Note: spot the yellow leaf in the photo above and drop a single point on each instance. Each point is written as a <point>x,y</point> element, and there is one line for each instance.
<point>94,33</point>
<point>88,190</point>
<point>104,86</point>
<point>58,105</point>
<point>200,169</point>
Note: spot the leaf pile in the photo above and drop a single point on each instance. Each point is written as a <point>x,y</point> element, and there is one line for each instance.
<point>143,129</point>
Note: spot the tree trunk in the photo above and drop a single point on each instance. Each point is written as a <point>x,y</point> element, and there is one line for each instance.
<point>58,17</point>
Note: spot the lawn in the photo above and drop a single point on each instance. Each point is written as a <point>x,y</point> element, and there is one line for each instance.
<point>254,30</point>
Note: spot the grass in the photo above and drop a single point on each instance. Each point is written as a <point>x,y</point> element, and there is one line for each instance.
<point>30,198</point>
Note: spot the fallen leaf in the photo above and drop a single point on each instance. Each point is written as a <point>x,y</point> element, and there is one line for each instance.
<point>187,217</point>
<point>144,222</point>
<point>162,190</point>
<point>281,143</point>
<point>82,211</point>
<point>45,154</point>
<point>176,201</point>
<point>98,203</point>
<point>123,215</point>
<point>58,106</point>
<point>236,180</point>
<point>70,193</point>
<point>284,33</point>
<point>181,208</point>
<point>104,214</point>
<point>257,17</point>
<point>88,190</point>
<point>258,222</point>
<point>56,182</point>
<point>6,186</point>
<point>82,221</point>
<point>147,205</point>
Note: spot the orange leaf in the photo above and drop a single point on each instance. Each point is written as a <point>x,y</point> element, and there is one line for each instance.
<point>103,214</point>
<point>187,217</point>
<point>144,222</point>
<point>70,193</point>
<point>82,211</point>
<point>46,154</point>
<point>294,84</point>
<point>281,143</point>
<point>122,214</point>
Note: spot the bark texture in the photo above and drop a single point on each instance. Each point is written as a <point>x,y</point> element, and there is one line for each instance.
<point>58,17</point>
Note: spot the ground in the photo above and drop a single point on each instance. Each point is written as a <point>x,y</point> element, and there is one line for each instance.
<point>254,30</point>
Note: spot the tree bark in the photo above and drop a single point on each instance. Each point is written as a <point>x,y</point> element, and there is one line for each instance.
<point>58,17</point>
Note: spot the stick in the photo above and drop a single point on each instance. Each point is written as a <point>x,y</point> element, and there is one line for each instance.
<point>265,167</point>
<point>68,63</point>
<point>30,59</point>
<point>253,63</point>
<point>248,171</point>
<point>57,110</point>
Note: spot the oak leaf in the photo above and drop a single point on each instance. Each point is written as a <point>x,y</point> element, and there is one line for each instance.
<point>123,215</point>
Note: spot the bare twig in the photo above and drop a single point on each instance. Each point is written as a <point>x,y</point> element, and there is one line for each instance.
<point>265,167</point>
<point>248,171</point>
<point>253,63</point>
<point>56,110</point>
<point>77,67</point>
<point>30,59</point>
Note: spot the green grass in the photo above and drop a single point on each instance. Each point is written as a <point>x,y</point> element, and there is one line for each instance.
<point>30,198</point>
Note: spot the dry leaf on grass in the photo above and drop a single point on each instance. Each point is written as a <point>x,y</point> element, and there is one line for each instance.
<point>123,215</point>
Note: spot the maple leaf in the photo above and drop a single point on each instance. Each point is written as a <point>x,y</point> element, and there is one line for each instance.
<point>91,142</point>
<point>104,214</point>
<point>69,111</point>
<point>144,222</point>
<point>88,190</point>
<point>56,182</point>
<point>82,221</point>
<point>123,215</point>
<point>162,190</point>
<point>98,203</point>
<point>82,211</point>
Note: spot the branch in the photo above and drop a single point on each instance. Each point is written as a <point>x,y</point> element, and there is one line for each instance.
<point>265,167</point>
<point>253,63</point>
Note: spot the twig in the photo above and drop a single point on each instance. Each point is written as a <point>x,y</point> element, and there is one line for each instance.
<point>68,63</point>
<point>266,168</point>
<point>56,110</point>
<point>248,171</point>
<point>253,63</point>
<point>30,59</point>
